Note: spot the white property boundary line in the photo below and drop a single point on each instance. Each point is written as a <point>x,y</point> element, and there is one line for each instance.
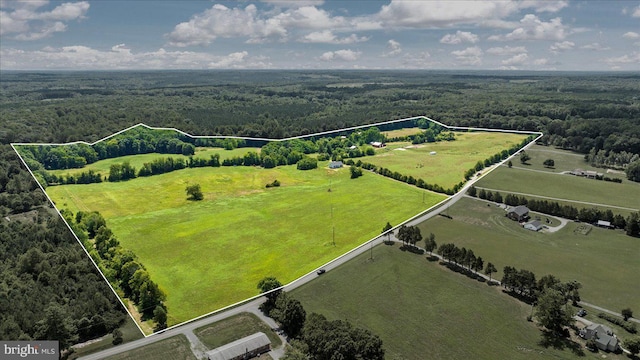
<point>294,282</point>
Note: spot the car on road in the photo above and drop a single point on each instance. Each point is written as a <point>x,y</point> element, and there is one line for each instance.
<point>582,312</point>
<point>321,271</point>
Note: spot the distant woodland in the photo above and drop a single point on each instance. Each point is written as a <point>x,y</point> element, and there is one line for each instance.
<point>48,286</point>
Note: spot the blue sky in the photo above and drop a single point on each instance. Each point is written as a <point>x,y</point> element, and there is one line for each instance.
<point>314,34</point>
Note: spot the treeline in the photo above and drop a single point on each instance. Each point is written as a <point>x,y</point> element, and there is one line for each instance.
<point>610,159</point>
<point>133,142</point>
<point>631,223</point>
<point>313,336</point>
<point>521,283</point>
<point>49,290</point>
<point>121,267</point>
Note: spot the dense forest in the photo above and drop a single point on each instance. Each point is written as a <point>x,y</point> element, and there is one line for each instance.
<point>48,286</point>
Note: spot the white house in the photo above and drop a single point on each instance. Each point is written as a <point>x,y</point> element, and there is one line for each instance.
<point>534,226</point>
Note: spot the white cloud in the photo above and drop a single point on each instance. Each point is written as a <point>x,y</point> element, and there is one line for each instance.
<point>633,58</point>
<point>25,20</point>
<point>294,3</point>
<point>440,13</point>
<point>122,57</point>
<point>469,56</point>
<point>327,36</point>
<point>341,55</point>
<point>459,37</point>
<point>394,48</point>
<point>636,12</point>
<point>221,21</point>
<point>595,47</point>
<point>631,35</point>
<point>506,50</point>
<point>561,46</point>
<point>544,5</point>
<point>516,60</point>
<point>541,61</point>
<point>532,28</point>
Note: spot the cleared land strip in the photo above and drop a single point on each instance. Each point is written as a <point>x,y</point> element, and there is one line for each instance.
<point>558,199</point>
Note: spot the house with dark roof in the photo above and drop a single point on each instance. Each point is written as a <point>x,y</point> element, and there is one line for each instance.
<point>519,213</point>
<point>603,336</point>
<point>245,348</point>
<point>335,164</point>
<point>534,226</point>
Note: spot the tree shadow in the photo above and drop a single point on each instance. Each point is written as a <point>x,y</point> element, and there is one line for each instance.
<point>560,342</point>
<point>432,258</point>
<point>412,249</point>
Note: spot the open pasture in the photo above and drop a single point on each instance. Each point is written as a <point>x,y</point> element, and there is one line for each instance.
<point>604,261</point>
<point>452,158</point>
<point>422,310</point>
<point>102,166</point>
<point>564,186</point>
<point>212,253</point>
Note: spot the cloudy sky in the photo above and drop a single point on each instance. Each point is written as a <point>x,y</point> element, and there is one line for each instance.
<point>308,34</point>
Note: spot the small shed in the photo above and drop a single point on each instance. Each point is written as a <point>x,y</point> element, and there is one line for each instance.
<point>245,348</point>
<point>432,153</point>
<point>605,224</point>
<point>335,164</point>
<point>534,226</point>
<point>377,144</point>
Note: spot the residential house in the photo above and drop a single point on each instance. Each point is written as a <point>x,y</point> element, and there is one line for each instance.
<point>377,144</point>
<point>245,348</point>
<point>534,226</point>
<point>603,335</point>
<point>605,224</point>
<point>335,164</point>
<point>519,213</point>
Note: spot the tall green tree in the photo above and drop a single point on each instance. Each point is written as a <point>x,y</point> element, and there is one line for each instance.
<point>194,192</point>
<point>430,243</point>
<point>269,285</point>
<point>551,311</point>
<point>56,325</point>
<point>290,314</point>
<point>524,157</point>
<point>490,269</point>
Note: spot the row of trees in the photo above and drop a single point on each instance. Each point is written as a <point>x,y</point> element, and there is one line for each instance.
<point>496,158</point>
<point>313,336</point>
<point>631,223</point>
<point>135,141</point>
<point>120,266</point>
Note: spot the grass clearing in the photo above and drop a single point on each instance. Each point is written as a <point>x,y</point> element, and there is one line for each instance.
<point>402,132</point>
<point>422,310</point>
<point>452,158</point>
<point>605,262</point>
<point>130,332</point>
<point>234,328</point>
<point>174,348</point>
<point>102,166</point>
<point>564,187</point>
<point>564,160</point>
<point>212,253</point>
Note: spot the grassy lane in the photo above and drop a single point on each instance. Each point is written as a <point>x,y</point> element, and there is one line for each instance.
<point>212,253</point>
<point>606,262</point>
<point>421,310</point>
<point>453,158</point>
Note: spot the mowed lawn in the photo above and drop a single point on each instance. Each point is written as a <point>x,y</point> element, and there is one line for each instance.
<point>569,187</point>
<point>137,161</point>
<point>452,159</point>
<point>421,310</point>
<point>212,253</point>
<point>402,132</point>
<point>174,348</point>
<point>605,262</point>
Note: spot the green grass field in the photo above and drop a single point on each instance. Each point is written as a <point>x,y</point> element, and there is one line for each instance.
<point>453,158</point>
<point>606,262</point>
<point>551,183</point>
<point>234,328</point>
<point>402,132</point>
<point>212,253</point>
<point>421,310</point>
<point>137,161</point>
<point>174,348</point>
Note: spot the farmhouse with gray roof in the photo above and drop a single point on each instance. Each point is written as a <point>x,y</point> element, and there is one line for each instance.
<point>519,213</point>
